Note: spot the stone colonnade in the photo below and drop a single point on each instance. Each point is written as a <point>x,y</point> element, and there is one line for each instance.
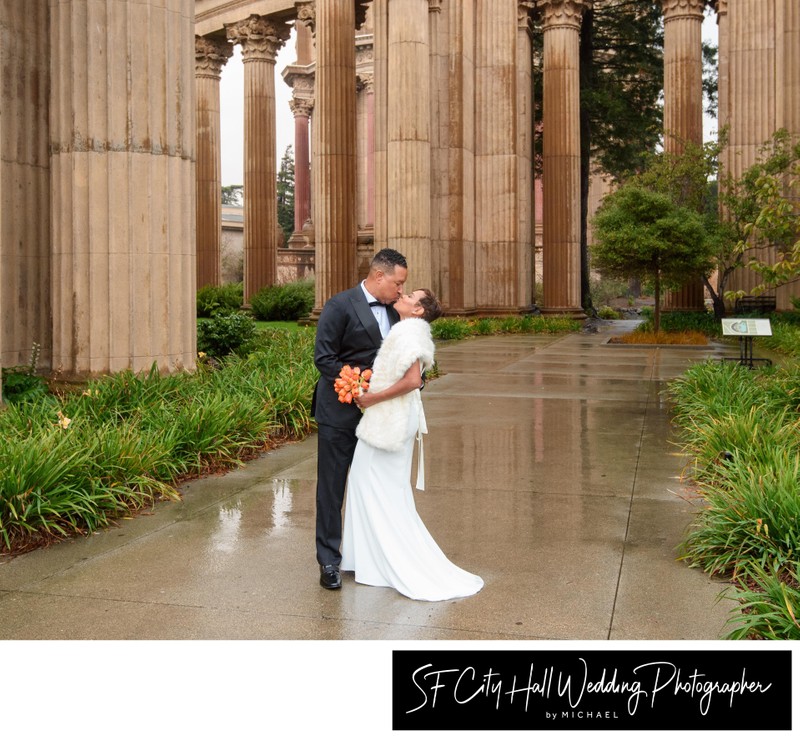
<point>109,153</point>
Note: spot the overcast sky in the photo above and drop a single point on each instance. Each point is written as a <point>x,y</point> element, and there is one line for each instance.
<point>232,106</point>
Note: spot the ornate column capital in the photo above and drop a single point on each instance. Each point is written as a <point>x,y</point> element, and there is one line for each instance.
<point>260,38</point>
<point>307,14</point>
<point>524,10</point>
<point>365,81</point>
<point>210,55</point>
<point>301,106</point>
<point>675,9</point>
<point>434,6</point>
<point>562,13</point>
<point>720,6</point>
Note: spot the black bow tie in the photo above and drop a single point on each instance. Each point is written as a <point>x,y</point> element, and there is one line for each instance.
<point>375,303</point>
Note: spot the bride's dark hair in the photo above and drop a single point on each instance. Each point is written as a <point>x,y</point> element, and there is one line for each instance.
<point>431,307</point>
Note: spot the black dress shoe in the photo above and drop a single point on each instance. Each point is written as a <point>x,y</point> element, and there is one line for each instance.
<point>329,577</point>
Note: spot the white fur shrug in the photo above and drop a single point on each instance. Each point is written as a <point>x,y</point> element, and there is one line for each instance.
<point>387,425</point>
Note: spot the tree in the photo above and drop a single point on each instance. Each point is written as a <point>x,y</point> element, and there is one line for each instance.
<point>285,190</point>
<point>642,234</point>
<point>232,194</point>
<point>763,214</point>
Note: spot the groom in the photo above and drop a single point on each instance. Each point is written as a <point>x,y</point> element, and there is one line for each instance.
<point>350,329</point>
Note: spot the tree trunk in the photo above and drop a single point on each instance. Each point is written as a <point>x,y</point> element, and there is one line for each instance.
<point>657,307</point>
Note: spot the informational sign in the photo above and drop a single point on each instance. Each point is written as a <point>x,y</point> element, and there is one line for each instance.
<point>746,327</point>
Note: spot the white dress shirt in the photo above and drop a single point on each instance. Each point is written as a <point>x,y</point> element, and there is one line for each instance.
<point>379,311</point>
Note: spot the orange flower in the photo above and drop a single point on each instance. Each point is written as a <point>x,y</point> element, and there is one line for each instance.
<point>351,382</point>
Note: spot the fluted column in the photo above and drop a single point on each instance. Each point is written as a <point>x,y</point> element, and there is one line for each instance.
<point>561,156</point>
<point>723,63</point>
<point>261,40</point>
<point>380,57</point>
<point>365,125</point>
<point>334,143</point>
<point>123,185</point>
<point>409,149</point>
<point>752,101</point>
<point>211,54</point>
<point>683,105</point>
<point>301,108</point>
<point>25,304</point>
<point>525,266</point>
<point>496,177</point>
<point>789,78</point>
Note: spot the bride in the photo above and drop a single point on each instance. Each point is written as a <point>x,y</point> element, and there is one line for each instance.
<point>385,541</point>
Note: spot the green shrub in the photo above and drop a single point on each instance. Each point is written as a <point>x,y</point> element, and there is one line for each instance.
<point>446,329</point>
<point>21,383</point>
<point>226,298</point>
<point>678,321</point>
<point>608,313</point>
<point>223,333</point>
<point>290,301</point>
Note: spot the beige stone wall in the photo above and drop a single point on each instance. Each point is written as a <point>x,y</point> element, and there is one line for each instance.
<point>24,182</point>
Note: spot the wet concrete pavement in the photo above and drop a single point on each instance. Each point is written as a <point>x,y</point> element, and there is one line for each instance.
<point>550,472</point>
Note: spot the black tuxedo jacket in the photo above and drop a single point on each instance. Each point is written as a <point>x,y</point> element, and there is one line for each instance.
<point>347,333</point>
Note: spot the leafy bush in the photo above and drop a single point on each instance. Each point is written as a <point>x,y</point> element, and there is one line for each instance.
<point>290,301</point>
<point>608,313</point>
<point>212,299</point>
<point>223,333</point>
<point>21,383</point>
<point>675,321</point>
<point>446,329</point>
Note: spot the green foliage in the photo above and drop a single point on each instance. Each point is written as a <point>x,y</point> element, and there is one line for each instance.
<point>290,301</point>
<point>73,464</point>
<point>643,234</point>
<point>224,333</point>
<point>21,383</point>
<point>232,194</point>
<point>608,313</point>
<point>449,329</point>
<point>212,299</point>
<point>742,430</point>
<point>285,194</point>
<point>678,321</point>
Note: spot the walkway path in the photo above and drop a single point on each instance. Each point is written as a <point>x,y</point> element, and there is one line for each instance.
<point>550,473</point>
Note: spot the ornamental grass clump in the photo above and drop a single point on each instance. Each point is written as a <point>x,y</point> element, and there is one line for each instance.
<point>741,428</point>
<point>75,462</point>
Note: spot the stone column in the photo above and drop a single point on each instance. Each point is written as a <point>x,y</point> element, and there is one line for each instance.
<point>301,107</point>
<point>788,52</point>
<point>409,149</point>
<point>496,175</point>
<point>123,185</point>
<point>25,269</point>
<point>683,105</point>
<point>561,154</point>
<point>752,99</point>
<point>380,56</point>
<point>334,141</point>
<point>459,279</point>
<point>525,248</point>
<point>261,40</point>
<point>211,54</point>
<point>723,53</point>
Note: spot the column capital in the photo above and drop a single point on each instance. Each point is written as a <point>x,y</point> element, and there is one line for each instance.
<point>307,14</point>
<point>301,106</point>
<point>563,13</point>
<point>365,81</point>
<point>720,6</point>
<point>260,38</point>
<point>675,9</point>
<point>434,6</point>
<point>524,10</point>
<point>210,55</point>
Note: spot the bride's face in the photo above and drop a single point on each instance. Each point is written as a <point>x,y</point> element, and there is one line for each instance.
<point>408,306</point>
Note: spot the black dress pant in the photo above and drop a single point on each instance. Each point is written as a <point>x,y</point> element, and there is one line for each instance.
<point>335,450</point>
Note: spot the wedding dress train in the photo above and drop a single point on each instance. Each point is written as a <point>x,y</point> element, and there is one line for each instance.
<point>385,541</point>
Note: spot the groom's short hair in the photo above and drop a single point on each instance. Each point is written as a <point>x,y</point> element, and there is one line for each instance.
<point>387,259</point>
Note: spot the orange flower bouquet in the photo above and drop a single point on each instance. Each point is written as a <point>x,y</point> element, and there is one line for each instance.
<point>351,383</point>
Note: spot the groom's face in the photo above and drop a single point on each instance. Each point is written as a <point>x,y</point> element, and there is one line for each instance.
<point>390,284</point>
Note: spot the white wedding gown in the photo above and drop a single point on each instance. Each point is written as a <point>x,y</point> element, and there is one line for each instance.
<point>385,541</point>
